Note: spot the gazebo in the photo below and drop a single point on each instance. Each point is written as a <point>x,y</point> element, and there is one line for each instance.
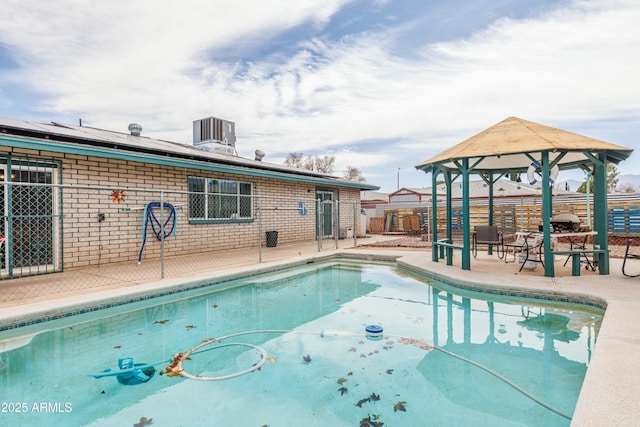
<point>519,146</point>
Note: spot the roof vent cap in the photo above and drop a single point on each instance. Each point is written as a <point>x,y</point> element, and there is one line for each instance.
<point>135,129</point>
<point>259,155</point>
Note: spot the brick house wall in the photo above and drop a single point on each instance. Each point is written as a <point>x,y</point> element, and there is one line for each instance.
<point>118,237</point>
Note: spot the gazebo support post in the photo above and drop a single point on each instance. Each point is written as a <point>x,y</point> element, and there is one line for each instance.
<point>490,219</point>
<point>466,226</point>
<point>449,208</point>
<point>434,211</point>
<point>549,267</point>
<point>600,211</point>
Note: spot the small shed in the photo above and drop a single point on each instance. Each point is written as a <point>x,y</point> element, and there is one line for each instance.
<point>410,195</point>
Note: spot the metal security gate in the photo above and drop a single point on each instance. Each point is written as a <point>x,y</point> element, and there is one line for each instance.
<point>28,228</point>
<point>326,215</point>
<point>327,221</point>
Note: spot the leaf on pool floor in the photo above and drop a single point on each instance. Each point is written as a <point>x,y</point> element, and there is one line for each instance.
<point>374,397</point>
<point>342,380</point>
<point>400,407</point>
<point>215,306</point>
<point>343,390</point>
<point>273,359</point>
<point>306,358</point>
<point>389,371</point>
<point>361,401</point>
<point>189,327</point>
<point>353,349</point>
<point>144,421</point>
<point>118,346</point>
<point>161,322</point>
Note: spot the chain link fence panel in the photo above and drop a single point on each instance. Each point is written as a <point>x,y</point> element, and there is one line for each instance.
<point>90,238</point>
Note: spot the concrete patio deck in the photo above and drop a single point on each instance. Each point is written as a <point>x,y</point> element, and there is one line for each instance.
<point>611,391</point>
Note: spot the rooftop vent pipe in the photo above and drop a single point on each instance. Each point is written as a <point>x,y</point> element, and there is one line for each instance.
<point>259,155</point>
<point>135,129</point>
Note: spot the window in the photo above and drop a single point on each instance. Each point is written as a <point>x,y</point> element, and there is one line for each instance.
<point>219,199</point>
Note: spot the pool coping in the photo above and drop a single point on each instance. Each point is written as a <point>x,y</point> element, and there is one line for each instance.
<point>609,392</point>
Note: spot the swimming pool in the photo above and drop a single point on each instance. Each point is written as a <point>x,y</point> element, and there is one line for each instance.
<point>320,368</point>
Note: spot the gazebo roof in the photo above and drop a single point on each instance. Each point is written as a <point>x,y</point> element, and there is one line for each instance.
<point>507,147</point>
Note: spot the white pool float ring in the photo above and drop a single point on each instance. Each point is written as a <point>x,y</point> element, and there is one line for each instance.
<point>531,177</point>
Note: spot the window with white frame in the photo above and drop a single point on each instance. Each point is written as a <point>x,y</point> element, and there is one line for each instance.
<point>219,199</point>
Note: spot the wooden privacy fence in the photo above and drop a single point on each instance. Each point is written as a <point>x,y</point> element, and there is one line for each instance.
<point>623,217</point>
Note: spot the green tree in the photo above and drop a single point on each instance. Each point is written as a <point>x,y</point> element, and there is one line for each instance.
<point>627,188</point>
<point>353,174</point>
<point>295,160</point>
<point>612,180</point>
<point>322,164</point>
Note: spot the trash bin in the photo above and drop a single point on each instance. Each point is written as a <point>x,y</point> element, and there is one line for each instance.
<point>272,239</point>
<point>529,264</point>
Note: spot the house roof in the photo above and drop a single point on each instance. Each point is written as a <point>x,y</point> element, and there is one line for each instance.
<point>479,189</point>
<point>409,190</point>
<point>373,195</point>
<point>92,141</point>
<point>510,145</point>
<point>501,188</point>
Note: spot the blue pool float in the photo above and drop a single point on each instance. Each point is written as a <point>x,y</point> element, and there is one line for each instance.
<point>374,332</point>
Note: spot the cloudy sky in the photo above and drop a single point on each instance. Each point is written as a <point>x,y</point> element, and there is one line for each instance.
<point>380,84</point>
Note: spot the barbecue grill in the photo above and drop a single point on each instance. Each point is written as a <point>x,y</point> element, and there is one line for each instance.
<point>565,222</point>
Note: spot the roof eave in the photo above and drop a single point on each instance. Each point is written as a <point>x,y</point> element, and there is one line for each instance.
<point>189,162</point>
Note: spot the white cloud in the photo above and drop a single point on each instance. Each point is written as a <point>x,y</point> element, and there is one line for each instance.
<point>162,64</point>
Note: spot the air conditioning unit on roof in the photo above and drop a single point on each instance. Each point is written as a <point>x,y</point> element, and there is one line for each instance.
<point>215,135</point>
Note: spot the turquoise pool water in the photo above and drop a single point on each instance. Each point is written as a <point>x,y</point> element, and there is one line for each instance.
<point>319,369</point>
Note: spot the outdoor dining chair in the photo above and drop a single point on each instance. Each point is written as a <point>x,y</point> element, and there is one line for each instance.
<point>487,235</point>
<point>581,246</point>
<point>527,246</point>
<point>628,256</point>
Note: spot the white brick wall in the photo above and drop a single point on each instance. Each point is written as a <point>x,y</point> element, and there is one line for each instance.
<point>118,238</point>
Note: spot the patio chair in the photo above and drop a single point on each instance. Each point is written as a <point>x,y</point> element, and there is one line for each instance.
<point>487,235</point>
<point>628,256</point>
<point>527,245</point>
<point>581,246</point>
